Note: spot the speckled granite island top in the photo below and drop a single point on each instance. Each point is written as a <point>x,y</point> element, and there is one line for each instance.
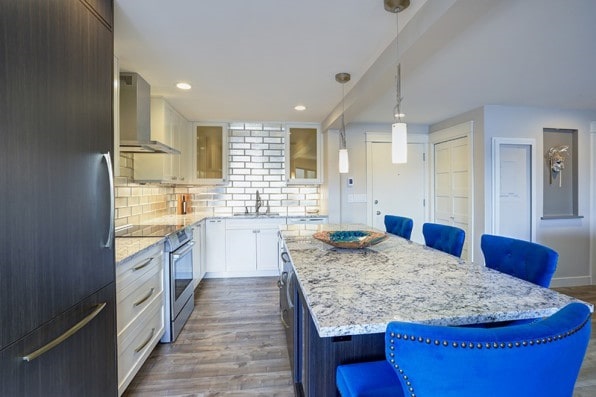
<point>353,292</point>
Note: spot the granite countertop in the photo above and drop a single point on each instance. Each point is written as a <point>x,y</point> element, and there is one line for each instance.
<point>129,247</point>
<point>352,292</point>
<point>195,217</point>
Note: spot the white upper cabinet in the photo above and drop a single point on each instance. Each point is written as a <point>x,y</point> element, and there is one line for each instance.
<point>170,128</point>
<point>183,132</point>
<point>303,149</point>
<point>210,153</point>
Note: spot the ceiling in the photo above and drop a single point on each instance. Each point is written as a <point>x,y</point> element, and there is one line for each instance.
<point>255,60</point>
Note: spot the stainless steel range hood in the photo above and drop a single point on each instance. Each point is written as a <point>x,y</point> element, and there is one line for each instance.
<point>135,117</point>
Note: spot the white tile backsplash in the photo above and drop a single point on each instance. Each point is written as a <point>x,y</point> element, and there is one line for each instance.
<point>256,155</point>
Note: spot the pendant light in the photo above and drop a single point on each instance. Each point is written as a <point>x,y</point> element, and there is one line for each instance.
<point>399,129</point>
<point>344,163</point>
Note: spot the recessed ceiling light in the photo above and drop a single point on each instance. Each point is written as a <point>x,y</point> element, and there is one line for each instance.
<point>183,86</point>
<point>300,108</point>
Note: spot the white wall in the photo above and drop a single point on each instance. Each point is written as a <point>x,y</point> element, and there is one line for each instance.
<point>569,237</point>
<point>574,239</point>
<point>340,210</point>
<point>593,201</point>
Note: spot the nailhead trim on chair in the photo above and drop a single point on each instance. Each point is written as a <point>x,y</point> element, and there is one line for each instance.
<point>470,345</point>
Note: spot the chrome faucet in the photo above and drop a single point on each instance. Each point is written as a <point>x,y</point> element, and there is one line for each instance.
<point>258,203</point>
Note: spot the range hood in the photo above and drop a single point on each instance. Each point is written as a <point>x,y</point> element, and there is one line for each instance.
<point>135,117</point>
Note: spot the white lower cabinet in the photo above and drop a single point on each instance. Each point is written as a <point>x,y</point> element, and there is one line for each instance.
<point>140,311</point>
<point>198,253</point>
<point>242,247</point>
<point>251,246</point>
<point>267,249</point>
<point>215,244</point>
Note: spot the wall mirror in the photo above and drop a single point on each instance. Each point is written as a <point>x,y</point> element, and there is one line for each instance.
<point>303,154</point>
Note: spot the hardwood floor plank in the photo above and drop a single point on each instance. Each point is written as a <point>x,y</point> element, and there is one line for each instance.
<point>234,345</point>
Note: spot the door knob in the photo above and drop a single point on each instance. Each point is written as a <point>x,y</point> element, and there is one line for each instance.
<point>378,212</point>
<point>376,201</point>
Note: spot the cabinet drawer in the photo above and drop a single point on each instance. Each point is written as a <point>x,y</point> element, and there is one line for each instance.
<point>136,342</point>
<point>82,365</point>
<point>131,301</point>
<point>131,271</point>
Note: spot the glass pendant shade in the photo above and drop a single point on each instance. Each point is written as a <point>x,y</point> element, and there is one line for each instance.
<point>344,163</point>
<point>399,143</point>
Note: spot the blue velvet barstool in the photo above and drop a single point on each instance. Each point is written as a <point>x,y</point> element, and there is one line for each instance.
<point>538,359</point>
<point>449,239</point>
<point>523,259</point>
<point>399,225</point>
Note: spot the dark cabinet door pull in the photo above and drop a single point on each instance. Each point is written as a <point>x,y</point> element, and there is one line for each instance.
<point>142,346</point>
<point>141,301</point>
<point>142,265</point>
<point>76,328</point>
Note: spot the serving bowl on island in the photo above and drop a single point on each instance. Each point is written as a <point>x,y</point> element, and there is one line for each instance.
<point>353,239</point>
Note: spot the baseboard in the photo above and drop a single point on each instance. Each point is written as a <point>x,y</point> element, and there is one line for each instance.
<point>258,273</point>
<point>571,281</point>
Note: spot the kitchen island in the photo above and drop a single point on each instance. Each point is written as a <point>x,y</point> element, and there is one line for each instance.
<point>342,300</point>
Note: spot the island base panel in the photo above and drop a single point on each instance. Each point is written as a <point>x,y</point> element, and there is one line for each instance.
<point>316,358</point>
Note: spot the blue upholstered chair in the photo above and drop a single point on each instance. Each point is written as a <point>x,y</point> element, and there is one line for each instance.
<point>449,239</point>
<point>523,259</point>
<point>538,359</point>
<point>399,225</point>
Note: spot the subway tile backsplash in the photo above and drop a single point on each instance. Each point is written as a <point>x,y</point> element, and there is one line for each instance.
<point>256,160</point>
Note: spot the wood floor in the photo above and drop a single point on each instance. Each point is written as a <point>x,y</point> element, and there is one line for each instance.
<point>234,345</point>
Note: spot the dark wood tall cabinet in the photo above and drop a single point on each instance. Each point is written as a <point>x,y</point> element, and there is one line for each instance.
<point>56,244</point>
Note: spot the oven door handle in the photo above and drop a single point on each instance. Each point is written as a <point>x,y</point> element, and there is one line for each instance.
<point>177,255</point>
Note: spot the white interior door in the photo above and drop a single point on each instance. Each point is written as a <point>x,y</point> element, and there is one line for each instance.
<point>513,184</point>
<point>451,189</point>
<point>398,189</point>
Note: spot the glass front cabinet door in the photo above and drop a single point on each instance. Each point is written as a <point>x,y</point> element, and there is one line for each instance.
<point>303,154</point>
<point>211,153</point>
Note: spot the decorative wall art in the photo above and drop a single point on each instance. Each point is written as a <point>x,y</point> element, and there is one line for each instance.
<point>555,157</point>
<point>560,173</point>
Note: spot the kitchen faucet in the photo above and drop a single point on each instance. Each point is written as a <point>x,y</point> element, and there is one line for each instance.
<point>258,203</point>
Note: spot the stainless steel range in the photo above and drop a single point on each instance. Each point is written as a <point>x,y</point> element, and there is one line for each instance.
<point>178,285</point>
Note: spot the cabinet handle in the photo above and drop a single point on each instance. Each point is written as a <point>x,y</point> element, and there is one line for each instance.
<point>142,265</point>
<point>106,157</point>
<point>282,318</point>
<point>44,349</point>
<point>282,280</point>
<point>146,341</point>
<point>140,302</point>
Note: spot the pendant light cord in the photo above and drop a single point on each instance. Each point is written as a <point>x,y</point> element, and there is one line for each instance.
<point>342,134</point>
<point>398,97</point>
